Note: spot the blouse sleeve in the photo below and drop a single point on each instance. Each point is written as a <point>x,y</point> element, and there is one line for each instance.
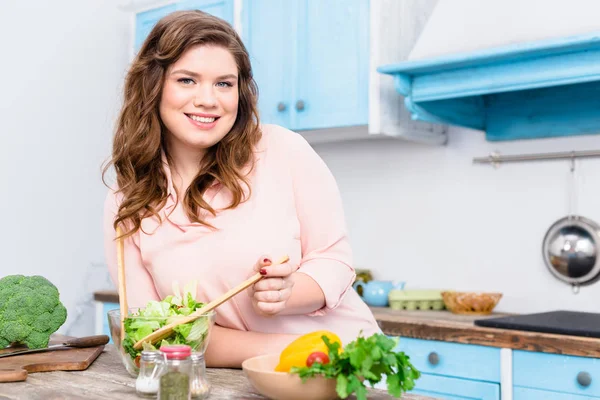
<point>139,284</point>
<point>326,251</point>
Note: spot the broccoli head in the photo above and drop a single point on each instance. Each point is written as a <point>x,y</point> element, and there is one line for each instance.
<point>30,311</point>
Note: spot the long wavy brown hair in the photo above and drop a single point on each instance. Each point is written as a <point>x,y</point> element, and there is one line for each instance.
<point>139,135</point>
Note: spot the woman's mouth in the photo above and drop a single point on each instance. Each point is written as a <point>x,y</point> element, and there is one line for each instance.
<point>203,122</point>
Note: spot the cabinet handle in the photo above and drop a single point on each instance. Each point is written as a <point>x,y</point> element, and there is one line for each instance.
<point>584,379</point>
<point>281,107</point>
<point>300,105</point>
<point>433,358</point>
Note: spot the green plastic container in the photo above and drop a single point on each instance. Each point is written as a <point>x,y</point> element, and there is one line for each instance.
<point>416,300</point>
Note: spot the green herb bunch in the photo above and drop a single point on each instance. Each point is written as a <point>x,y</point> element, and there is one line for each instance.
<point>364,360</point>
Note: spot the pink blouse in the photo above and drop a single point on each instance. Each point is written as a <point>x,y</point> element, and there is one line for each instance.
<point>294,209</point>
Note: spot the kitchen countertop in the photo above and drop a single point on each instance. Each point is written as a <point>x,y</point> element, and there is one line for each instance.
<point>106,378</point>
<point>449,327</point>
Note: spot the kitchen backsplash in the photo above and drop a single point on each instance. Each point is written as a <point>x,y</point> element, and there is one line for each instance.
<point>428,216</point>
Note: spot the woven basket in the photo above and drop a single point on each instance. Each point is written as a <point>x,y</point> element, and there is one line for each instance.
<point>476,303</point>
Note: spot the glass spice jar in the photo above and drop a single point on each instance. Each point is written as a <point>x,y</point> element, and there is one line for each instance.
<point>199,385</point>
<point>146,384</point>
<point>174,383</point>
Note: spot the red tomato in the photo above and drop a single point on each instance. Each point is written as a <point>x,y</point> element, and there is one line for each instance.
<point>317,356</point>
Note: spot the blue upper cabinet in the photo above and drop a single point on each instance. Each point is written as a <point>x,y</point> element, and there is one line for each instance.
<point>332,72</point>
<point>145,21</point>
<point>310,60</point>
<point>268,33</point>
<point>219,8</point>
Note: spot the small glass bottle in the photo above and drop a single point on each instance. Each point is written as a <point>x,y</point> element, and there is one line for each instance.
<point>199,386</point>
<point>174,383</point>
<point>146,384</point>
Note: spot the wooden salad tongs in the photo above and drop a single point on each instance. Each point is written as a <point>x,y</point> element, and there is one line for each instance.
<point>168,329</point>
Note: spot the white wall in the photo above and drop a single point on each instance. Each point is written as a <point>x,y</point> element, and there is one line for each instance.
<point>62,66</point>
<point>429,216</point>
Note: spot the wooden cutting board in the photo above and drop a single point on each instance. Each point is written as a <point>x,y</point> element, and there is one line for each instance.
<point>16,368</point>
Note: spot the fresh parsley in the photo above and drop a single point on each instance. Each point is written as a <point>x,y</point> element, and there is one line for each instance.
<point>364,360</point>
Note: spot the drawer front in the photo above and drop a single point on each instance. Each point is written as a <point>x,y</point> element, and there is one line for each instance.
<point>453,359</point>
<point>557,372</point>
<point>521,393</point>
<point>441,387</point>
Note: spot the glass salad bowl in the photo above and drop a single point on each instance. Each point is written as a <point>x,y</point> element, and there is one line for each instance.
<point>195,334</point>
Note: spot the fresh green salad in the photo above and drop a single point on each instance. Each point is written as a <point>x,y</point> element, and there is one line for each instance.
<point>157,314</point>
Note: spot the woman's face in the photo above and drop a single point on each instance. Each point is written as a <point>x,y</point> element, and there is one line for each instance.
<point>200,98</point>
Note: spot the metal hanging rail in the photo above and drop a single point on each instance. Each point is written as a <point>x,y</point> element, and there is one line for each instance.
<point>495,158</point>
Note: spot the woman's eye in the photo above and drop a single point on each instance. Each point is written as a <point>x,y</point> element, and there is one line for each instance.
<point>185,81</point>
<point>224,84</point>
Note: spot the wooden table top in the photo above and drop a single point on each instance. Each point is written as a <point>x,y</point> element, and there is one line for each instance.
<point>106,378</point>
<point>449,327</point>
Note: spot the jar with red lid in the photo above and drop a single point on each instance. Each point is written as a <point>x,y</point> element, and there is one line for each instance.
<point>174,383</point>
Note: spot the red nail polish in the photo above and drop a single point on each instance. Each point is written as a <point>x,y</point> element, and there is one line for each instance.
<point>267,261</point>
<point>263,271</point>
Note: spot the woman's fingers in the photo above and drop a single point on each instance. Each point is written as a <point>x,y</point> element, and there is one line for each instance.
<point>272,296</point>
<point>263,261</point>
<point>281,270</point>
<point>266,284</point>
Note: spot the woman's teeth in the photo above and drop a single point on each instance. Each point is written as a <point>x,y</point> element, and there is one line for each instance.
<point>202,119</point>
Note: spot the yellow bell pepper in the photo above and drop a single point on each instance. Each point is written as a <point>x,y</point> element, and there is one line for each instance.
<point>296,353</point>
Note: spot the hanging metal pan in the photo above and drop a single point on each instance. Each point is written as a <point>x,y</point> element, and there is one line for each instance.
<point>570,250</point>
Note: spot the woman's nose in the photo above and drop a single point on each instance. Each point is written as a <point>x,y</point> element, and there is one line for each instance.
<point>205,97</point>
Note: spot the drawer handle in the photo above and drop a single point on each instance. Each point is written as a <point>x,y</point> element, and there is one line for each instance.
<point>300,105</point>
<point>281,107</point>
<point>433,358</point>
<point>584,379</point>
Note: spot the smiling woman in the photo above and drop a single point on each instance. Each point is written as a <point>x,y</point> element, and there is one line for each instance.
<point>199,105</point>
<point>206,193</point>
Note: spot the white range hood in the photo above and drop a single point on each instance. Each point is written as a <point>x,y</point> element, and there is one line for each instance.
<point>516,69</point>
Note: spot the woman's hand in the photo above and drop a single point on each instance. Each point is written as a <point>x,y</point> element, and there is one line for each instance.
<point>270,294</point>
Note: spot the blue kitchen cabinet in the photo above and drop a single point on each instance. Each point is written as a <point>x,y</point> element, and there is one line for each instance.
<point>442,387</point>
<point>555,376</point>
<point>102,308</point>
<point>454,370</point>
<point>310,60</point>
<point>268,32</point>
<point>145,21</point>
<point>522,393</point>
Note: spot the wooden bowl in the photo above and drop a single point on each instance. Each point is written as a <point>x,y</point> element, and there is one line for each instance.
<point>474,303</point>
<point>261,373</point>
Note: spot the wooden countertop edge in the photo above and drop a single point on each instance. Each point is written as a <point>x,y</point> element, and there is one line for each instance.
<point>107,296</point>
<point>463,332</point>
<point>492,337</point>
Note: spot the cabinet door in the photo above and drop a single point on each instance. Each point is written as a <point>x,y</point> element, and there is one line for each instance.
<point>441,387</point>
<point>145,21</point>
<point>556,372</point>
<point>458,360</point>
<point>332,73</point>
<point>268,31</point>
<point>219,8</point>
<point>522,393</point>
